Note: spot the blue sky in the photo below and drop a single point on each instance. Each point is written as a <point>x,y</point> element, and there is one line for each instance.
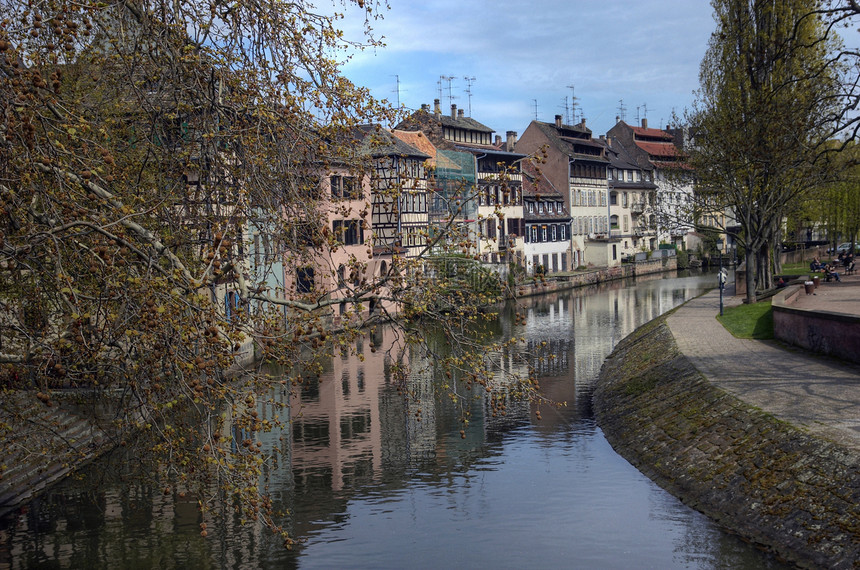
<point>644,52</point>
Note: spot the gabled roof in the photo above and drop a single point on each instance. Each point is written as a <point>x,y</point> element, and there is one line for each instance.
<point>487,149</point>
<point>657,149</point>
<point>467,123</point>
<point>418,140</point>
<point>644,132</point>
<point>563,139</point>
<point>378,142</point>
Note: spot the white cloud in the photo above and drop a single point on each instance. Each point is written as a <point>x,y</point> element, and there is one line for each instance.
<point>642,52</point>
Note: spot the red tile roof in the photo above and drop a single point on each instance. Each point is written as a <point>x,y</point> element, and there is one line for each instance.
<point>418,140</point>
<point>658,149</point>
<point>652,133</point>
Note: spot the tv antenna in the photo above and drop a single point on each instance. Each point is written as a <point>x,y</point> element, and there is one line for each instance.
<point>536,108</point>
<point>573,104</point>
<point>397,89</point>
<point>622,110</point>
<point>469,81</point>
<point>449,79</point>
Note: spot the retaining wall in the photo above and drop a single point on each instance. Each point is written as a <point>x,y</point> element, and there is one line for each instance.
<point>561,282</point>
<point>771,483</point>
<point>836,334</point>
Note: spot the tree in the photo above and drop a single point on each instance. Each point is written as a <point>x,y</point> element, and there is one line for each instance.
<point>146,147</point>
<point>837,204</point>
<point>762,117</point>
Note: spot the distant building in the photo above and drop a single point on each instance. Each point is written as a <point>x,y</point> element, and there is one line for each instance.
<point>547,225</point>
<point>576,165</point>
<point>655,149</point>
<point>490,192</point>
<point>632,198</point>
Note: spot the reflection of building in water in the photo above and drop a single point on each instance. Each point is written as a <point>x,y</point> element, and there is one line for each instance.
<point>551,356</point>
<point>336,426</point>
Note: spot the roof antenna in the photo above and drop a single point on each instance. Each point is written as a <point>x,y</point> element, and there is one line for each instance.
<point>536,108</point>
<point>469,81</point>
<point>573,105</point>
<point>397,89</point>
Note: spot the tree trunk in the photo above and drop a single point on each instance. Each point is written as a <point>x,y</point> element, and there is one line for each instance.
<point>763,274</point>
<point>750,259</point>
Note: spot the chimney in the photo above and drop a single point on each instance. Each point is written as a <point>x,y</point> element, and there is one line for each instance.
<point>511,140</point>
<point>558,121</point>
<point>436,109</point>
<point>460,114</point>
<point>617,119</point>
<point>425,107</point>
<point>644,123</point>
<point>582,123</point>
<point>498,141</point>
<point>453,111</point>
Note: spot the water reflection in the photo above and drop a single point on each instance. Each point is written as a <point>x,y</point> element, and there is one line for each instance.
<point>368,483</point>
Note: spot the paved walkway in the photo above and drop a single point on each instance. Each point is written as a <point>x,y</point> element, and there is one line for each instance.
<point>814,392</point>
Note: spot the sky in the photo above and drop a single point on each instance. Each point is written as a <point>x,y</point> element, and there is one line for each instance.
<point>529,59</point>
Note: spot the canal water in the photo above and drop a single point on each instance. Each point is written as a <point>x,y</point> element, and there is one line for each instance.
<point>368,485</point>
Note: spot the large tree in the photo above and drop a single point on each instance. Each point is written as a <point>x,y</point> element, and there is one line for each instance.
<point>762,117</point>
<point>142,144</point>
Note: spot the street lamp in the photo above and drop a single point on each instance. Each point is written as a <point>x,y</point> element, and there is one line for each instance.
<point>722,275</point>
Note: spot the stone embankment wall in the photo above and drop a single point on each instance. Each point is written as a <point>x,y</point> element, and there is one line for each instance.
<point>836,334</point>
<point>559,283</point>
<point>762,478</point>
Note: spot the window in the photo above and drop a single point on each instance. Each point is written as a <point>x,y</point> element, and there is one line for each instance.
<point>563,232</point>
<point>491,228</point>
<point>344,187</point>
<point>531,207</point>
<point>613,222</point>
<point>305,279</point>
<point>232,303</point>
<point>624,199</point>
<point>554,233</point>
<point>613,198</point>
<point>348,232</point>
<point>543,236</point>
<point>534,233</point>
<point>540,207</point>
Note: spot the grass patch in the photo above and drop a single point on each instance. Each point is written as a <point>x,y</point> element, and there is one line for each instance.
<point>800,268</point>
<point>749,321</point>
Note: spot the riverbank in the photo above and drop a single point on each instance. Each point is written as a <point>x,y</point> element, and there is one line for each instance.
<point>790,485</point>
<point>572,280</point>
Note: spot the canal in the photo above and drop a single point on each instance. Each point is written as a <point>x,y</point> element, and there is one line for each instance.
<point>368,485</point>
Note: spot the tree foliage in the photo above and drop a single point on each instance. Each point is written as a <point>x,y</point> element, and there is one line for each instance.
<point>142,144</point>
<point>768,102</point>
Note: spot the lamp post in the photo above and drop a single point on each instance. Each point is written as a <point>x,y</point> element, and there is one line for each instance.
<point>722,275</point>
